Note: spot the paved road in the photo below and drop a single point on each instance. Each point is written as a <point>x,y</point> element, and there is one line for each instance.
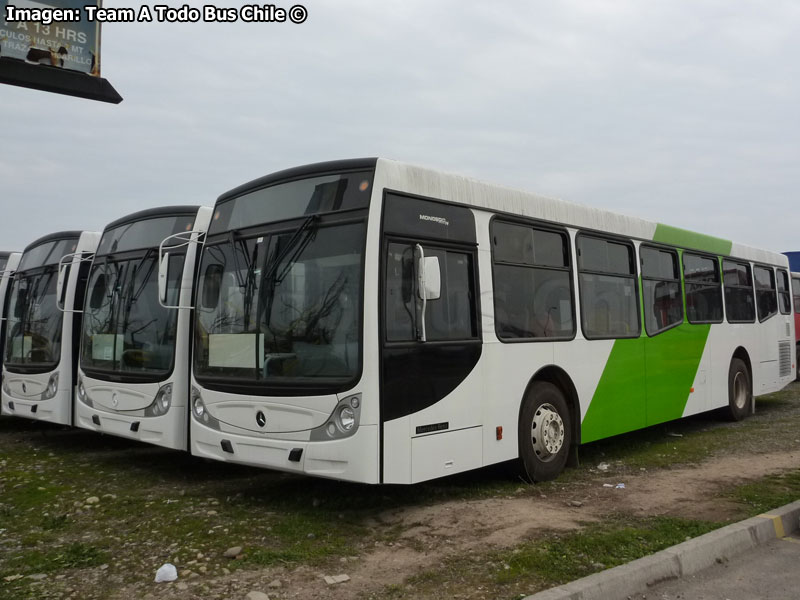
<point>769,572</point>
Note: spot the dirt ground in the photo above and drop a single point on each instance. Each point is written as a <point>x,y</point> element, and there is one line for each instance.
<point>430,534</point>
<point>683,469</point>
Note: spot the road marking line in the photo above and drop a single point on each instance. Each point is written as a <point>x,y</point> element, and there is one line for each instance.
<point>777,522</point>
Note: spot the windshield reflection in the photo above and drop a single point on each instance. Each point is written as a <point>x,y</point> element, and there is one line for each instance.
<point>284,307</point>
<point>125,328</point>
<point>34,321</point>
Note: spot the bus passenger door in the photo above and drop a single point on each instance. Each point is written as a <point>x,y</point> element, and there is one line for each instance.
<point>431,392</point>
<point>430,350</point>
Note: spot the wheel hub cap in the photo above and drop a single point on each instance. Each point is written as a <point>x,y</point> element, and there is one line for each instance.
<point>739,391</point>
<point>547,432</point>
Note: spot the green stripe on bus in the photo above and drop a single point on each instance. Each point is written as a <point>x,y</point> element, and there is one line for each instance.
<point>646,381</point>
<point>682,238</point>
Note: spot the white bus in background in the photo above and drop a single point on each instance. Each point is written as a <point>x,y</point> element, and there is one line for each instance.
<point>8,265</point>
<point>133,378</point>
<point>43,327</point>
<point>374,321</point>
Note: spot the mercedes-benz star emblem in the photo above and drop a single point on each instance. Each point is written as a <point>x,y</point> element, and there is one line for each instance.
<point>261,419</point>
<point>24,388</point>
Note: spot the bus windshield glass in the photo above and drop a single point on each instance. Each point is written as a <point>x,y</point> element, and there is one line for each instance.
<point>282,308</point>
<point>125,328</point>
<point>313,195</point>
<point>33,333</point>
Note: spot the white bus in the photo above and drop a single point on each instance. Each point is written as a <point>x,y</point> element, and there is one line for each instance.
<point>133,377</point>
<point>373,321</point>
<point>8,264</point>
<point>43,326</point>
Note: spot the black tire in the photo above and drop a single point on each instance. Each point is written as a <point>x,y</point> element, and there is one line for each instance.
<point>740,395</point>
<point>543,457</point>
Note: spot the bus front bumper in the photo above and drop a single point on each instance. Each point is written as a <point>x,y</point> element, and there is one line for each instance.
<point>353,459</point>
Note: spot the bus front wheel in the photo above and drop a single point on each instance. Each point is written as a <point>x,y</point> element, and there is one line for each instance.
<point>739,395</point>
<point>545,434</point>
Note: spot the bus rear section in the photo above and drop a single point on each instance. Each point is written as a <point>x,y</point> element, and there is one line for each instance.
<point>43,327</point>
<point>133,377</point>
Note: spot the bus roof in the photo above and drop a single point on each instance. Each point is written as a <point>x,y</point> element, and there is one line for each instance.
<point>449,187</point>
<point>332,166</point>
<point>60,235</point>
<point>180,209</point>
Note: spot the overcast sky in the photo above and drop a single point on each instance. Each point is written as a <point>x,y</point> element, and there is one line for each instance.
<point>683,112</point>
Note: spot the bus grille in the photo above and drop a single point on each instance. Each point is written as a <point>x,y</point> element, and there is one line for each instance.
<point>784,359</point>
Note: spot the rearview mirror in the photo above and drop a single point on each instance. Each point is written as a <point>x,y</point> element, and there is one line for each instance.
<point>62,270</point>
<point>163,278</point>
<point>429,278</point>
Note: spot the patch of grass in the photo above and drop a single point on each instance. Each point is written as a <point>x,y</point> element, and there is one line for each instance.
<point>769,493</point>
<point>72,556</point>
<point>563,558</point>
<point>695,438</point>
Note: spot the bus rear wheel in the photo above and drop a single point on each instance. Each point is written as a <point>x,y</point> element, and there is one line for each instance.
<point>740,397</point>
<point>545,433</point>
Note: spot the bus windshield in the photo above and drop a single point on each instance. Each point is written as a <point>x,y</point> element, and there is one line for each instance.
<point>34,321</point>
<point>126,331</point>
<point>282,308</point>
<point>125,328</point>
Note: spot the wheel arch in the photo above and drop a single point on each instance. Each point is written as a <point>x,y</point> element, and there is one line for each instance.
<point>558,377</point>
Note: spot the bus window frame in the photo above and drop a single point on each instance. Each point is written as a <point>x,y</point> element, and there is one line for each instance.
<point>635,277</point>
<point>570,269</point>
<point>771,269</point>
<point>715,259</point>
<point>677,255</point>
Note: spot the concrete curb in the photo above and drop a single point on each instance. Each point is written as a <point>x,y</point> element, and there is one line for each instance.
<point>681,560</point>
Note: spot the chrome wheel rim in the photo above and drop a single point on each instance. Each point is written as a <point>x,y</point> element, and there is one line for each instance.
<point>547,432</point>
<point>740,391</point>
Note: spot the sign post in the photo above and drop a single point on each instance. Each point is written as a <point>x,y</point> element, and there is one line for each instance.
<point>54,46</point>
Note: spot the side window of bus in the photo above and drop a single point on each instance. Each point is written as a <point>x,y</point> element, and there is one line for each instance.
<point>703,291</point>
<point>739,303</point>
<point>607,279</point>
<point>766,299</point>
<point>661,287</point>
<point>533,295</point>
<point>450,317</point>
<point>784,301</point>
<point>796,294</point>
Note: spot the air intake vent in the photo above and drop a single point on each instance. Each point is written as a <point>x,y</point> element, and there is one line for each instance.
<point>784,359</point>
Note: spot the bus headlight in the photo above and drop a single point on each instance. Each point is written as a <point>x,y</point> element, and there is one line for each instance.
<point>82,395</point>
<point>343,421</point>
<point>198,406</point>
<point>162,402</point>
<point>52,387</point>
<point>346,417</point>
<point>201,415</point>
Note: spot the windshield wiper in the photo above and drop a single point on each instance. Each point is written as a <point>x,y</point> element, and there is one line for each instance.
<point>138,266</point>
<point>305,227</point>
<point>290,252</point>
<point>232,242</point>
